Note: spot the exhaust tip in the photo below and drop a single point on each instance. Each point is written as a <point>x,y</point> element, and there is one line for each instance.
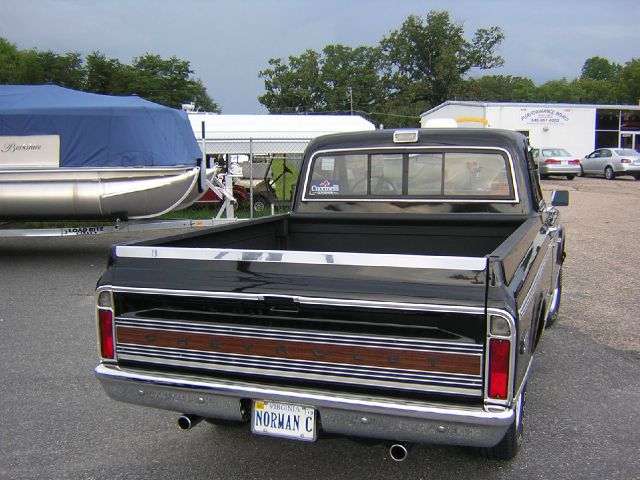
<point>187,422</point>
<point>398,452</point>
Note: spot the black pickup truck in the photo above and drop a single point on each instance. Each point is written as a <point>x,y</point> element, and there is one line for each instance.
<point>401,300</point>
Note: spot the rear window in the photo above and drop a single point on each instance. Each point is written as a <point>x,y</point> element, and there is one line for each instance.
<point>626,151</point>
<point>555,152</point>
<point>432,175</point>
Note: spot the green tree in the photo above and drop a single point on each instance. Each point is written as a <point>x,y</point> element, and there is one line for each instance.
<point>630,82</point>
<point>497,88</point>
<point>293,87</point>
<point>9,62</point>
<point>106,75</point>
<point>168,82</point>
<point>599,68</point>
<point>427,59</point>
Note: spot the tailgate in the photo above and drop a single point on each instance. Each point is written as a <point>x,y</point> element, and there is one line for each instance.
<point>339,320</point>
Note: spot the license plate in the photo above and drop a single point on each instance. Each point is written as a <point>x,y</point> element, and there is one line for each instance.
<point>276,419</point>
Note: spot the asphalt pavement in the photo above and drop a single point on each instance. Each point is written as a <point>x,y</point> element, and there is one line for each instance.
<point>582,418</point>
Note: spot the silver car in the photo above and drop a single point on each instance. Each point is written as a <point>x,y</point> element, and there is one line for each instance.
<point>612,162</point>
<point>556,161</point>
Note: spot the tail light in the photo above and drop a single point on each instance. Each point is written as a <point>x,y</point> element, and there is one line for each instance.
<point>105,326</point>
<point>574,162</point>
<point>552,160</point>
<point>626,160</point>
<point>499,355</point>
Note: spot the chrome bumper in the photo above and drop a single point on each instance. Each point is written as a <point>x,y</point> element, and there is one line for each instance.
<point>343,414</point>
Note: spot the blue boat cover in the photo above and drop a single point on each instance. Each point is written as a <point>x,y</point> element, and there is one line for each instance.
<point>99,130</point>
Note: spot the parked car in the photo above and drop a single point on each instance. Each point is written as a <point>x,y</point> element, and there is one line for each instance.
<point>612,162</point>
<point>556,161</point>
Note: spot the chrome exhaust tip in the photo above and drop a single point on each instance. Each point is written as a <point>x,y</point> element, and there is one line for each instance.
<point>187,422</point>
<point>399,452</point>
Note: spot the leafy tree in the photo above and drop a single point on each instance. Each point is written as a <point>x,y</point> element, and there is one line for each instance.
<point>165,81</point>
<point>294,87</point>
<point>426,59</point>
<point>630,82</point>
<point>9,61</point>
<point>599,68</point>
<point>497,88</point>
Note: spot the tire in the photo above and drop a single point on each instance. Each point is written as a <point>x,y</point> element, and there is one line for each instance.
<point>259,203</point>
<point>570,177</point>
<point>509,446</point>
<point>609,174</point>
<point>637,177</point>
<point>544,177</point>
<point>552,317</point>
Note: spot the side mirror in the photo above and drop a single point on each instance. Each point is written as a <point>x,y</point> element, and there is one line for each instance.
<point>560,198</point>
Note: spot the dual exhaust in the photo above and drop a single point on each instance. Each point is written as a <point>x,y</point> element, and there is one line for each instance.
<point>397,451</point>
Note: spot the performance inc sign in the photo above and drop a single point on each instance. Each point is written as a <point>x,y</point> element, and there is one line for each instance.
<point>545,116</point>
<point>30,151</point>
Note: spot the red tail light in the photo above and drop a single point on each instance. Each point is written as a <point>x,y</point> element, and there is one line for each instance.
<point>626,160</point>
<point>574,162</point>
<point>499,368</point>
<point>105,328</point>
<point>552,160</point>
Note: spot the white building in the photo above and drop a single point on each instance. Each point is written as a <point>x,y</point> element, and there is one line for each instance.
<point>267,134</point>
<point>575,127</point>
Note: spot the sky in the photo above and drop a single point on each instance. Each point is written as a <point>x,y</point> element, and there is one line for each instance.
<point>228,42</point>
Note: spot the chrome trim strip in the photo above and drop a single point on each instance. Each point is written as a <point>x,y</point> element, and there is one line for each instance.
<point>533,288</point>
<point>305,257</point>
<point>414,148</point>
<point>304,335</point>
<point>347,374</point>
<point>426,307</point>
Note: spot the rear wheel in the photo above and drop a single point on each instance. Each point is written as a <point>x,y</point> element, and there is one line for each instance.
<point>510,443</point>
<point>637,177</point>
<point>609,174</point>
<point>570,177</point>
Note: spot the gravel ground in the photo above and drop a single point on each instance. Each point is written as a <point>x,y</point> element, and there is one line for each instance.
<point>601,276</point>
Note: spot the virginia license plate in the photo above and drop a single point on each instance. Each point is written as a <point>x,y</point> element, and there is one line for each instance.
<point>276,419</point>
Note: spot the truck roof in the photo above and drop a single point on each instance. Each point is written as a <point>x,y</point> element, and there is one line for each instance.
<point>426,137</point>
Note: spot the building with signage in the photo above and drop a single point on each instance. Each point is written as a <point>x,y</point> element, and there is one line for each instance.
<point>577,128</point>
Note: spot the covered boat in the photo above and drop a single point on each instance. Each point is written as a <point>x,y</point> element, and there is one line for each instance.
<point>66,154</point>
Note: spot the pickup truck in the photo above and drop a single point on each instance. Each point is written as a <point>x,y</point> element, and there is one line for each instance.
<point>401,300</point>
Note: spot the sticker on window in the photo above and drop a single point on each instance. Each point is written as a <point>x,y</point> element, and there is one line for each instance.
<point>324,187</point>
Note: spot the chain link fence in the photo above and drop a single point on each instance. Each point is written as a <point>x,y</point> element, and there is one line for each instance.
<point>263,171</point>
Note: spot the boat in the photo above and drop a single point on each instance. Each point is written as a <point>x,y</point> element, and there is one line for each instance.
<point>66,154</point>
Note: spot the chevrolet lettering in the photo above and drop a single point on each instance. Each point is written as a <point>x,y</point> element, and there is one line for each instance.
<point>403,299</point>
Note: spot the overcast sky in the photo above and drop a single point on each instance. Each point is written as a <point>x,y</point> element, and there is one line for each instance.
<point>229,42</point>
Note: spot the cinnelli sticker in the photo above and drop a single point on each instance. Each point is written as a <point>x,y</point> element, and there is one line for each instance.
<point>324,187</point>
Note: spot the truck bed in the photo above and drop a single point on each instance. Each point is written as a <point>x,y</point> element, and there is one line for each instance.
<point>420,236</point>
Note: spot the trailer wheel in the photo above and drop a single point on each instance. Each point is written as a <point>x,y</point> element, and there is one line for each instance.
<point>508,447</point>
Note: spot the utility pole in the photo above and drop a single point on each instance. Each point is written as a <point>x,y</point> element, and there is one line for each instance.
<point>351,99</point>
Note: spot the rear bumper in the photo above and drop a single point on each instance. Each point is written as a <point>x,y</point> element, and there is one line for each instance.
<point>555,169</point>
<point>343,414</point>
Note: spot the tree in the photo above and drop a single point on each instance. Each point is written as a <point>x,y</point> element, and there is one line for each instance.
<point>599,68</point>
<point>9,61</point>
<point>497,88</point>
<point>630,82</point>
<point>426,59</point>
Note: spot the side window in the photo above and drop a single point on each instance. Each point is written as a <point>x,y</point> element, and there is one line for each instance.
<point>606,153</point>
<point>536,153</point>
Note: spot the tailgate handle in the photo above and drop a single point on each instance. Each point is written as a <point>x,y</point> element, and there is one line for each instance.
<point>279,304</point>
